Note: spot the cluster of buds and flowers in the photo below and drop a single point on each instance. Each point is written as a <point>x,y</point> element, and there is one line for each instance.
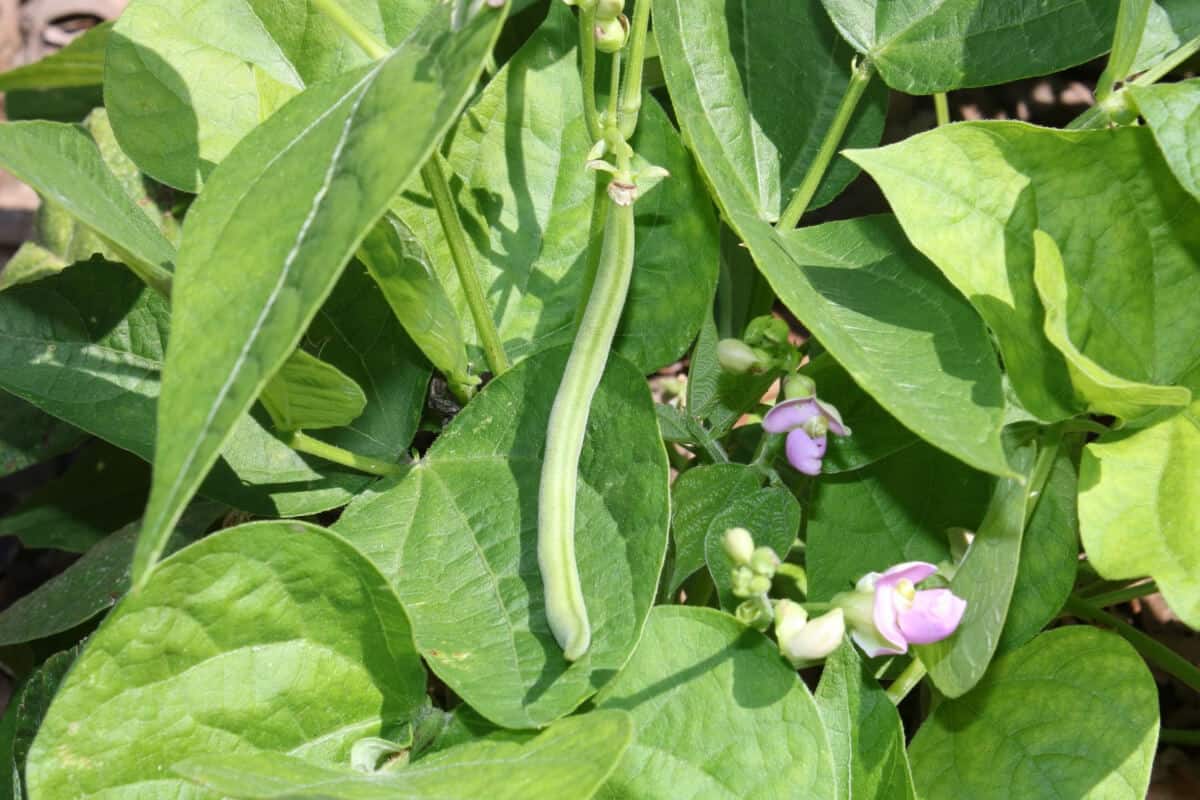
<point>884,614</point>
<point>764,347</point>
<point>807,421</point>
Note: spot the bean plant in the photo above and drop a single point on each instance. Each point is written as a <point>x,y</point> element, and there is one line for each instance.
<point>335,328</point>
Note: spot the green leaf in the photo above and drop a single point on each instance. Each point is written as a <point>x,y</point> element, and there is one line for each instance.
<point>306,392</point>
<point>87,346</point>
<point>396,261</point>
<point>317,176</point>
<point>895,510</point>
<point>877,434</point>
<point>714,396</point>
<point>732,68</point>
<point>1172,112</point>
<point>895,325</point>
<point>1074,713</point>
<point>985,579</point>
<point>719,715</point>
<point>103,489</point>
<point>1138,507</point>
<point>1096,388</point>
<point>922,48</point>
<point>1108,200</point>
<point>178,122</point>
<point>708,500</point>
<point>457,538</point>
<point>62,162</point>
<point>29,436</point>
<point>517,164</point>
<point>92,584</point>
<point>568,760</point>
<point>275,637</point>
<point>1049,554</point>
<point>23,717</point>
<point>1170,24</point>
<point>80,63</point>
<point>1131,23</point>
<point>865,733</point>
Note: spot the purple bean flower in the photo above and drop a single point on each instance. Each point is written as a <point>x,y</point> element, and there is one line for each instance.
<point>887,613</point>
<point>805,420</point>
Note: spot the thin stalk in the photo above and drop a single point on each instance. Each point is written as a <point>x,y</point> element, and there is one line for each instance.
<point>460,253</point>
<point>302,442</point>
<point>860,77</point>
<point>614,88</point>
<point>906,681</point>
<point>1164,67</point>
<point>1151,649</point>
<point>352,28</point>
<point>941,107</point>
<point>566,610</point>
<point>1047,452</point>
<point>631,97</point>
<point>1124,595</point>
<point>587,59</point>
<point>1181,737</point>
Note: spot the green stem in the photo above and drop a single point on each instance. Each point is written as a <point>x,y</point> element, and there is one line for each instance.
<point>1165,67</point>
<point>587,58</point>
<point>1047,452</point>
<point>906,681</point>
<point>352,28</point>
<point>565,607</point>
<point>1124,595</point>
<point>860,77</point>
<point>302,442</point>
<point>1180,737</point>
<point>941,107</point>
<point>1098,115</point>
<point>1151,649</point>
<point>614,89</point>
<point>460,253</point>
<point>631,97</point>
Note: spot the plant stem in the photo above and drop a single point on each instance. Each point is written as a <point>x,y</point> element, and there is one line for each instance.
<point>906,681</point>
<point>1047,452</point>
<point>1151,649</point>
<point>302,442</point>
<point>631,97</point>
<point>941,107</point>
<point>614,89</point>
<point>1164,67</point>
<point>1098,115</point>
<point>460,253</point>
<point>1182,737</point>
<point>860,77</point>
<point>1124,595</point>
<point>587,58</point>
<point>351,27</point>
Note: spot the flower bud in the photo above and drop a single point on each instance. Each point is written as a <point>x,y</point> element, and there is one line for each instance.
<point>759,584</point>
<point>611,34</point>
<point>609,9</point>
<point>812,641</point>
<point>764,561</point>
<point>739,545</point>
<point>740,582</point>
<point>754,613</point>
<point>799,387</point>
<point>767,329</point>
<point>737,357</point>
<point>790,617</point>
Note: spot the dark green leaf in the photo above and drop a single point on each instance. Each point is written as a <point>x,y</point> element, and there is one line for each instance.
<point>1170,24</point>
<point>23,717</point>
<point>307,392</point>
<point>772,516</point>
<point>80,63</point>
<point>29,436</point>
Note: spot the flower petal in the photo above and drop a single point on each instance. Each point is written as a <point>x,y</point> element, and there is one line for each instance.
<point>883,614</point>
<point>834,418</point>
<point>915,571</point>
<point>934,615</point>
<point>804,453</point>
<point>790,414</point>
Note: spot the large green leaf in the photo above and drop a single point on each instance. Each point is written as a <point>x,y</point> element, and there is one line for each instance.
<point>275,226</point>
<point>757,84</point>
<point>922,48</point>
<point>895,325</point>
<point>87,346</point>
<point>185,80</point>
<point>1172,112</point>
<point>719,715</point>
<point>526,200</point>
<point>708,500</point>
<point>457,538</point>
<point>1109,201</point>
<point>273,636</point>
<point>896,510</point>
<point>985,579</point>
<point>80,63</point>
<point>30,436</point>
<point>1138,507</point>
<point>570,759</point>
<point>1074,713</point>
<point>93,583</point>
<point>865,733</point>
<point>23,717</point>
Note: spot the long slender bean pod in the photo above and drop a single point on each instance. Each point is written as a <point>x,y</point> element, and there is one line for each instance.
<point>565,607</point>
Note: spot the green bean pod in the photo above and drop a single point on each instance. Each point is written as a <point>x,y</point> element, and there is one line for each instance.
<point>565,606</point>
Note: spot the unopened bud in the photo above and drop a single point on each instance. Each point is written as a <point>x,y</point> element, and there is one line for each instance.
<point>815,640</point>
<point>790,617</point>
<point>611,34</point>
<point>609,9</point>
<point>759,584</point>
<point>737,357</point>
<point>799,387</point>
<point>764,561</point>
<point>739,545</point>
<point>754,613</point>
<point>767,329</point>
<point>740,581</point>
